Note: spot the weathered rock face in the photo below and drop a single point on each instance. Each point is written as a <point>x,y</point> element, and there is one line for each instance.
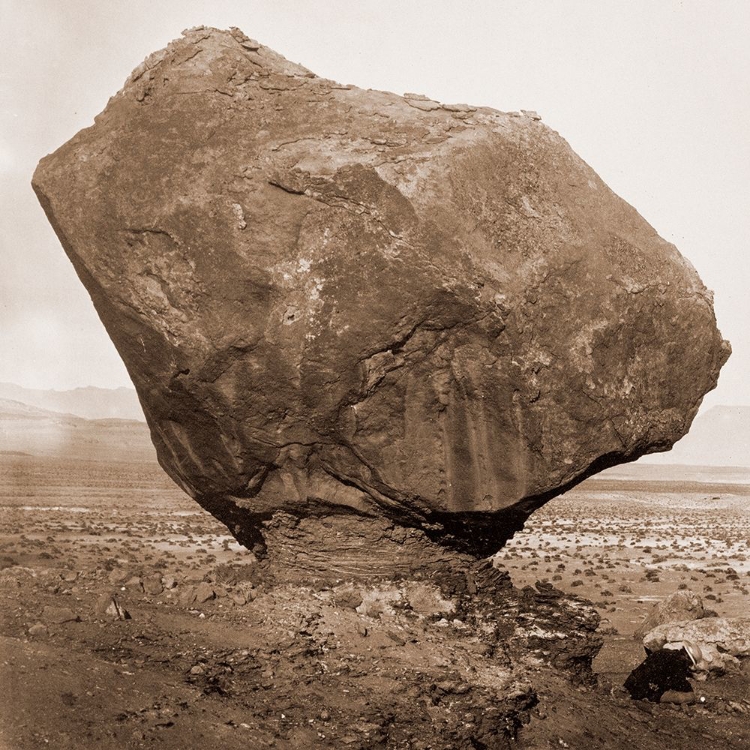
<point>339,305</point>
<point>714,643</point>
<point>681,606</point>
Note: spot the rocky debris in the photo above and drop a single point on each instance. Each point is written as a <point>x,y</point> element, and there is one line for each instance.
<point>715,644</point>
<point>134,582</point>
<point>7,561</point>
<point>362,326</point>
<point>16,576</point>
<point>38,628</point>
<point>427,600</point>
<point>116,611</point>
<point>152,584</point>
<point>659,673</point>
<point>186,596</point>
<point>418,670</point>
<point>678,697</point>
<point>466,694</point>
<point>541,623</point>
<point>559,628</point>
<point>59,615</point>
<point>415,711</point>
<point>348,597</point>
<point>108,606</point>
<point>681,606</point>
<point>204,592</point>
<point>307,652</point>
<point>117,577</point>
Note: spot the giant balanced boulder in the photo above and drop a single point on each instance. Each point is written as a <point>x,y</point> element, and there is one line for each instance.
<point>364,325</point>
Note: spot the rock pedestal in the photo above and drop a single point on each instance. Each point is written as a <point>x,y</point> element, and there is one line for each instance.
<point>367,326</point>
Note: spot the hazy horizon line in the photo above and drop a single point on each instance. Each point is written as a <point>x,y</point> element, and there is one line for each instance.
<point>131,387</point>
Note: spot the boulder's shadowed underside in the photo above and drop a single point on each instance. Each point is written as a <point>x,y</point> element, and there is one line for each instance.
<point>360,323</point>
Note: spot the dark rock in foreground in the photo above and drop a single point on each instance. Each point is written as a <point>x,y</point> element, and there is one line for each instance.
<point>360,323</point>
<point>661,672</point>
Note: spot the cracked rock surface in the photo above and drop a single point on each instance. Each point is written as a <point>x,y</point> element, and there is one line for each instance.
<point>367,328</point>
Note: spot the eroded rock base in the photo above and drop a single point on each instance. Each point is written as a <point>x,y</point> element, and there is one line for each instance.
<point>372,557</point>
<point>319,535</point>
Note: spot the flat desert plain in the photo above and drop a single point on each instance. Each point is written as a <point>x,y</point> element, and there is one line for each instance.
<point>211,657</point>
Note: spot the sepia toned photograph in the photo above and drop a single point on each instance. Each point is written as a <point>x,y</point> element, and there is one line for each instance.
<point>375,375</point>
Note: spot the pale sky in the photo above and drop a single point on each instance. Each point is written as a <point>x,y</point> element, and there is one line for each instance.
<point>654,95</point>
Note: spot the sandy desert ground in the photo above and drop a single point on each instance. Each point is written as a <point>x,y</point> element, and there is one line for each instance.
<point>212,657</point>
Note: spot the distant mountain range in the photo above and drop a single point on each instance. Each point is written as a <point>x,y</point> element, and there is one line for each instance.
<point>88,403</point>
<point>26,429</point>
<point>102,417</point>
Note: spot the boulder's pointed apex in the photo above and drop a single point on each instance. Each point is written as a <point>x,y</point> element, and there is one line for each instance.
<point>356,315</point>
<point>211,45</point>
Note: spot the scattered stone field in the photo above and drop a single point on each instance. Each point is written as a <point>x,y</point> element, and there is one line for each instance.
<point>201,650</point>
